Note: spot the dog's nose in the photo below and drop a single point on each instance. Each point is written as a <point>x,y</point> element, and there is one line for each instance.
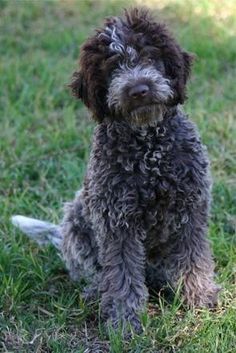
<point>138,91</point>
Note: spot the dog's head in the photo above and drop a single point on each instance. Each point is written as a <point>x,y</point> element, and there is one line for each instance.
<point>132,69</point>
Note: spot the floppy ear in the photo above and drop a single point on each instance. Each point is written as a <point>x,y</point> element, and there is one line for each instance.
<point>188,59</point>
<point>77,86</point>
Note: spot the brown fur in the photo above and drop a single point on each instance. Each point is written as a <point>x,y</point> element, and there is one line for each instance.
<point>151,38</point>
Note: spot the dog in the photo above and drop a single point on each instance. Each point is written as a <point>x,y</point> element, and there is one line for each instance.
<point>140,220</point>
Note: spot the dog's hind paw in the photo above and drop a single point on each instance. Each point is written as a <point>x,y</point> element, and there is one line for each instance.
<point>90,293</point>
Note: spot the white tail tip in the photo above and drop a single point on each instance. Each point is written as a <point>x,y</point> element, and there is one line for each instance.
<point>42,232</point>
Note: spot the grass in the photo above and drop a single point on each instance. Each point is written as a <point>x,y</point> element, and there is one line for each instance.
<point>44,142</point>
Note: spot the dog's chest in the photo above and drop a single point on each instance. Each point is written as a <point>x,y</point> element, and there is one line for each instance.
<point>132,162</point>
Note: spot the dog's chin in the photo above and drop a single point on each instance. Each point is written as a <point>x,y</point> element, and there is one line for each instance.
<point>146,115</point>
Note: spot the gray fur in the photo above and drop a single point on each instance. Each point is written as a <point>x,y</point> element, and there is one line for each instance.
<point>143,214</point>
<point>141,218</point>
<point>42,232</point>
<point>117,44</point>
<point>127,76</point>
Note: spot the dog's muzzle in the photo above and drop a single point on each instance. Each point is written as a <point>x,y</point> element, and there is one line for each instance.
<point>138,94</point>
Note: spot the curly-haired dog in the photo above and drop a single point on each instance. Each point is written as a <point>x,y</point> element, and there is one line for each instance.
<point>141,217</point>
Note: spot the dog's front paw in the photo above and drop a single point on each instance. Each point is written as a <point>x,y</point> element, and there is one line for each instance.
<point>135,324</point>
<point>203,296</point>
<point>128,324</point>
<point>210,299</point>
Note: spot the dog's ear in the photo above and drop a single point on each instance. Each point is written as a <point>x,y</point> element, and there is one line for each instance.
<point>91,95</point>
<point>188,59</point>
<point>78,86</point>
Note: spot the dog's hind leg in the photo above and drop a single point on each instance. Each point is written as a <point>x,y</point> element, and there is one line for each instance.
<point>79,248</point>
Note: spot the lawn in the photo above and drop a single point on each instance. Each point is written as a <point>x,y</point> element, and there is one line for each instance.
<point>45,137</point>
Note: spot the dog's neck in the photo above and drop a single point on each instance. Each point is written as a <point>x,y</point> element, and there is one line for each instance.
<point>122,131</point>
<point>167,115</point>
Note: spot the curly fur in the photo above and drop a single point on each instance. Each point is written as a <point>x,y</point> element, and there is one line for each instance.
<point>141,217</point>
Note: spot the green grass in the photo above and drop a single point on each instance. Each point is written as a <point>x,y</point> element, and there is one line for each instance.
<point>44,142</point>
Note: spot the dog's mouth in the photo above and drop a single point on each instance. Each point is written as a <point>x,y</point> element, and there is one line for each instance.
<point>146,114</point>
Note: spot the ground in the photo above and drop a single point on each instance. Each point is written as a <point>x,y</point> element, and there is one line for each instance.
<point>44,142</point>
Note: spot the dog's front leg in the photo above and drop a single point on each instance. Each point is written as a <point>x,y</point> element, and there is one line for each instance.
<point>192,265</point>
<point>122,286</point>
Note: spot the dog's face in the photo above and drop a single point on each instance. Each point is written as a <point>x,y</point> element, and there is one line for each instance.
<point>131,69</point>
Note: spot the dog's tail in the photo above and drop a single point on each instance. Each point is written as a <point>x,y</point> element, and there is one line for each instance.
<point>42,232</point>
